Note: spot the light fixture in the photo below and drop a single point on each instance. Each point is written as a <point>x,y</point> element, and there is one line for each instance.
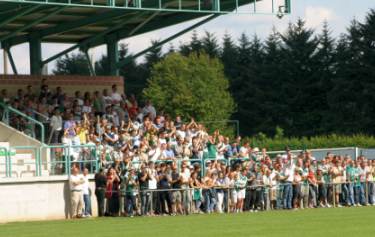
<point>281,12</point>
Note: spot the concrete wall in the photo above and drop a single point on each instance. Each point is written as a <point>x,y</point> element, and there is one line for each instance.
<point>37,198</point>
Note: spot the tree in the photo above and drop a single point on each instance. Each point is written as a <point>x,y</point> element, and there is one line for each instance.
<point>192,86</point>
<point>134,79</point>
<point>300,79</point>
<point>210,45</point>
<point>229,57</point>
<point>245,87</point>
<point>271,99</point>
<point>352,96</point>
<point>326,54</point>
<point>72,64</point>
<point>195,45</point>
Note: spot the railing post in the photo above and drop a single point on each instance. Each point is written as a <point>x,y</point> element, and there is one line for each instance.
<point>366,192</point>
<point>228,200</point>
<point>38,151</point>
<point>36,162</point>
<point>334,195</point>
<point>69,161</point>
<point>356,152</point>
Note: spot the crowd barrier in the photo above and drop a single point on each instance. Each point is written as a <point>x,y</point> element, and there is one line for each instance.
<point>58,159</point>
<point>221,199</point>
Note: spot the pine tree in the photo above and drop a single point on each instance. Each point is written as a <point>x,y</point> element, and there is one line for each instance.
<point>210,45</point>
<point>229,57</point>
<point>271,100</point>
<point>325,71</point>
<point>72,64</point>
<point>300,79</point>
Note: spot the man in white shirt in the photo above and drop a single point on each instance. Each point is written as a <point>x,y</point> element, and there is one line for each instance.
<point>115,96</point>
<point>288,177</point>
<point>152,185</point>
<point>86,193</point>
<point>76,182</point>
<point>149,109</point>
<point>186,194</point>
<point>55,125</point>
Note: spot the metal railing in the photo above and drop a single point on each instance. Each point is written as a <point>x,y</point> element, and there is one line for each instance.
<point>7,111</point>
<point>50,159</point>
<point>58,159</point>
<point>4,161</point>
<point>62,157</point>
<point>225,198</point>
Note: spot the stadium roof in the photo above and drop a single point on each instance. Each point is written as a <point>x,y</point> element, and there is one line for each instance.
<point>89,23</point>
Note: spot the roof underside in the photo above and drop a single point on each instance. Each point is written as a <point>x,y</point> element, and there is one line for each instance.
<point>66,23</point>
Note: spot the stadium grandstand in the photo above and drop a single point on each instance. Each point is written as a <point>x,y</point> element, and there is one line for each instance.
<point>53,123</point>
<point>77,146</point>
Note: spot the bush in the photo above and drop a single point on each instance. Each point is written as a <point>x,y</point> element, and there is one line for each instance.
<point>278,142</point>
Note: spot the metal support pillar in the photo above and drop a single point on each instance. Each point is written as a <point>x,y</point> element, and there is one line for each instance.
<point>288,7</point>
<point>35,47</point>
<point>91,67</point>
<point>112,52</point>
<point>10,57</point>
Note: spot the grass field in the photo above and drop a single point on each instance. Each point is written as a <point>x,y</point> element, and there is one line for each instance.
<point>356,222</point>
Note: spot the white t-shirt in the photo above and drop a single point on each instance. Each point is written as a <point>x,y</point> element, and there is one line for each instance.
<point>86,109</point>
<point>181,134</point>
<point>116,98</point>
<point>56,123</point>
<point>185,175</point>
<point>289,170</point>
<point>244,151</point>
<point>152,184</point>
<point>85,186</point>
<point>75,179</point>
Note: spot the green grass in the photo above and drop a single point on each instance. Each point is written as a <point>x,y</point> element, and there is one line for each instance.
<point>355,222</point>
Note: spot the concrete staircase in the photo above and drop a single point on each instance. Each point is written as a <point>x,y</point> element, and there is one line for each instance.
<point>23,160</point>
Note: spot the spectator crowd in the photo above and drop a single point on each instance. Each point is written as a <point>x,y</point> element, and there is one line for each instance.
<point>153,164</point>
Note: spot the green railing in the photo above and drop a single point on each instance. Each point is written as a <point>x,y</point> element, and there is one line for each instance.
<point>44,156</point>
<point>4,154</point>
<point>61,158</point>
<point>35,152</point>
<point>8,110</point>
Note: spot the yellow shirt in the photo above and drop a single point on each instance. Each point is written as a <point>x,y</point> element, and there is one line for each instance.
<point>82,135</point>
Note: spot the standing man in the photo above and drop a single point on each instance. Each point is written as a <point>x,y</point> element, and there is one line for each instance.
<point>100,185</point>
<point>56,125</point>
<point>86,193</point>
<point>288,178</point>
<point>76,180</point>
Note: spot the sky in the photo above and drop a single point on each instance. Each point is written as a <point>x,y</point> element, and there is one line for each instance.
<point>338,14</point>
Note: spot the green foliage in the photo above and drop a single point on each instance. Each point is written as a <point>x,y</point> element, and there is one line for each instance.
<point>279,142</point>
<point>192,86</point>
<point>72,64</point>
<point>304,81</point>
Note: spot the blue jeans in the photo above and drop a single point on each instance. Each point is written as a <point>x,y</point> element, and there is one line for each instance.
<point>130,204</point>
<point>371,192</point>
<point>87,201</point>
<point>145,202</point>
<point>210,200</point>
<point>359,197</point>
<point>287,195</point>
<point>350,197</point>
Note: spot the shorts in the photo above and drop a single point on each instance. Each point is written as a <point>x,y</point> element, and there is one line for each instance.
<point>273,194</point>
<point>338,188</point>
<point>176,197</point>
<point>238,194</point>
